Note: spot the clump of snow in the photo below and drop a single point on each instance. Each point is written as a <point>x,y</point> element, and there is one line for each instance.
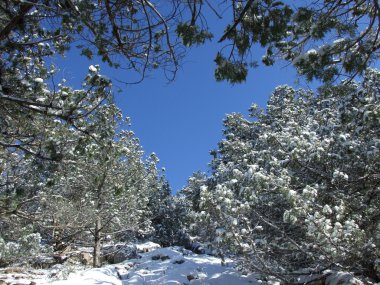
<point>258,228</point>
<point>92,68</point>
<point>311,51</point>
<point>147,246</point>
<point>339,41</point>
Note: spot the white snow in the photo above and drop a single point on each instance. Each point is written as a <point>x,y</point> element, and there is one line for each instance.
<point>258,228</point>
<point>338,41</point>
<point>311,51</point>
<point>92,68</point>
<point>174,266</point>
<point>147,246</point>
<point>105,275</point>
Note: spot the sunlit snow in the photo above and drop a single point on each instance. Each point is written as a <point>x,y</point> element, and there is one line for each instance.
<point>178,267</point>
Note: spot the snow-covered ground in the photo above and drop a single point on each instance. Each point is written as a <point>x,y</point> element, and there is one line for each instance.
<point>155,265</point>
<point>171,265</point>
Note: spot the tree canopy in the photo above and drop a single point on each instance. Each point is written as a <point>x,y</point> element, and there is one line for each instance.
<point>322,39</point>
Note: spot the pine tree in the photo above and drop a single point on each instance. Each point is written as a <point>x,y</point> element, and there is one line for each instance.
<point>297,186</point>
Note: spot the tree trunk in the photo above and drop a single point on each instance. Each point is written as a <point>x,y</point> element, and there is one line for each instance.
<point>97,243</point>
<point>98,224</point>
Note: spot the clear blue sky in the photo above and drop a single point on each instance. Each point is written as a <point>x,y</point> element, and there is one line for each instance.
<point>183,120</point>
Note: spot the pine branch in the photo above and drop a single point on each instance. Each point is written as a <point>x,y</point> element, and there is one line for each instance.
<point>16,20</point>
<point>237,21</point>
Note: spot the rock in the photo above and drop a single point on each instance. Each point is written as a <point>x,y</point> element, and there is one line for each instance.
<point>185,241</point>
<point>43,262</point>
<point>81,257</point>
<point>118,253</point>
<point>179,261</point>
<point>119,257</point>
<point>60,258</point>
<point>85,258</point>
<point>156,257</point>
<point>2,282</point>
<point>164,257</point>
<point>340,278</point>
<point>160,257</point>
<point>197,248</point>
<point>191,277</point>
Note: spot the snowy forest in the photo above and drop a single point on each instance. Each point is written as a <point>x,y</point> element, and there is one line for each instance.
<point>292,195</point>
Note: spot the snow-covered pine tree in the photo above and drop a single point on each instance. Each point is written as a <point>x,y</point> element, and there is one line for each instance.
<point>298,186</point>
<point>38,139</point>
<point>103,188</point>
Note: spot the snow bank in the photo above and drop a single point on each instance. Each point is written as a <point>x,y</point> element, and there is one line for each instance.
<point>172,265</point>
<point>105,275</point>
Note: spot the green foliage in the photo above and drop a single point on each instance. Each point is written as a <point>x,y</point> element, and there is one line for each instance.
<point>192,35</point>
<point>234,72</point>
<point>344,36</point>
<point>26,247</point>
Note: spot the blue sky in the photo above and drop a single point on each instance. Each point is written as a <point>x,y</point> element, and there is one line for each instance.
<point>183,120</point>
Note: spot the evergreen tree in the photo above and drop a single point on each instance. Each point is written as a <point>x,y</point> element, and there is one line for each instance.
<point>297,186</point>
<point>104,189</point>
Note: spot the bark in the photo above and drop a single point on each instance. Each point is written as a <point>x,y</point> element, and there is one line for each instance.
<point>97,243</point>
<point>98,224</point>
